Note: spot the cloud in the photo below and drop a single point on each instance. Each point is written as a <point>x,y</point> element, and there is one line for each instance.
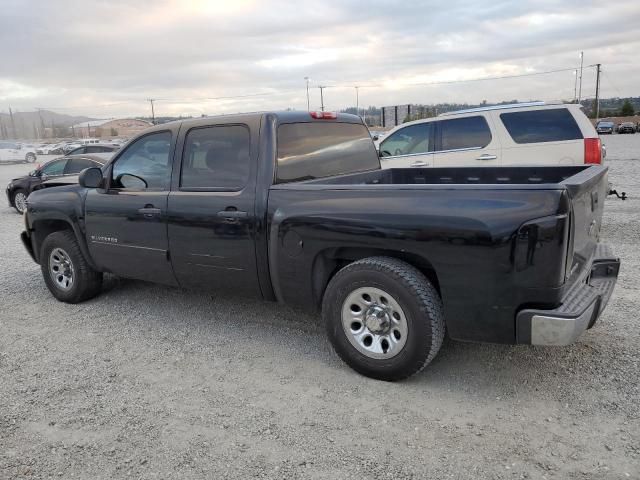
<point>106,58</point>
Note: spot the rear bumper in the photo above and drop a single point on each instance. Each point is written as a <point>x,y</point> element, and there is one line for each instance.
<point>580,308</point>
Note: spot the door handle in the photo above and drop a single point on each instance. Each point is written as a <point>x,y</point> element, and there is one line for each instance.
<point>149,211</point>
<point>232,214</point>
<point>420,163</point>
<point>487,156</point>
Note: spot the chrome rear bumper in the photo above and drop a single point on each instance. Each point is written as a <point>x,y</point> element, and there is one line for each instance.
<point>579,310</point>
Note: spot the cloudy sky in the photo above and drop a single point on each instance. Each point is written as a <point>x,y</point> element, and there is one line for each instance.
<point>104,58</point>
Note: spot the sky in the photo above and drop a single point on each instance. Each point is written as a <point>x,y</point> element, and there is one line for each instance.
<point>106,58</point>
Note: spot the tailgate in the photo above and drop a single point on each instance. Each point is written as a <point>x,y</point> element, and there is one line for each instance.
<point>587,191</point>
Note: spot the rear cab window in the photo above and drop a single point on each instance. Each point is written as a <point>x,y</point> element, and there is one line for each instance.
<point>539,126</point>
<point>317,149</point>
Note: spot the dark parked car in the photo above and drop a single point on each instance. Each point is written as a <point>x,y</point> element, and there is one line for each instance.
<point>61,171</point>
<point>605,127</point>
<point>85,149</point>
<point>293,206</point>
<point>627,127</point>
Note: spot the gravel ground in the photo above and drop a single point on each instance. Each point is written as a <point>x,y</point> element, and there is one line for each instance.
<point>152,382</point>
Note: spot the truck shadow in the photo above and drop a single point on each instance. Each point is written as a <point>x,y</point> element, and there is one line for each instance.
<point>486,370</point>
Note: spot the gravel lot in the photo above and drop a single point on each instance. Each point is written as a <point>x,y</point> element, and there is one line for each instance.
<point>152,382</point>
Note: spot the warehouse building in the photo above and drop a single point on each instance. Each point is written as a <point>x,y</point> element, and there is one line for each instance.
<point>122,127</point>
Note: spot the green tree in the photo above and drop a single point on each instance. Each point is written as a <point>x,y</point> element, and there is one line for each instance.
<point>627,109</point>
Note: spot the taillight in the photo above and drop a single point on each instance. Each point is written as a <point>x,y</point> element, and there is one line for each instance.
<point>592,151</point>
<point>324,115</point>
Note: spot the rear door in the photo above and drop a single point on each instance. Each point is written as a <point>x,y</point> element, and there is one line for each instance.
<point>212,219</point>
<point>126,222</point>
<point>466,142</point>
<point>540,136</point>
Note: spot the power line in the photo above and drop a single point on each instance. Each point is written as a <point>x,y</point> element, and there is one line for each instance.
<point>322,87</point>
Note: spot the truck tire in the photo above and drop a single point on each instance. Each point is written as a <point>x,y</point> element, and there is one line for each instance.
<point>19,200</point>
<point>383,318</point>
<point>66,272</point>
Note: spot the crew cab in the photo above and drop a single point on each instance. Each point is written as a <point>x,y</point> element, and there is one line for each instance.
<point>293,207</point>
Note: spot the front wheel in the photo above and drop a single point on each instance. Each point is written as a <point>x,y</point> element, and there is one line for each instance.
<point>30,158</point>
<point>66,272</point>
<point>20,201</point>
<point>383,317</point>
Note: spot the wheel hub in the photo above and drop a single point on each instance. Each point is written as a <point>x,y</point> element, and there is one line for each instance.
<point>377,320</point>
<point>61,268</point>
<point>374,323</point>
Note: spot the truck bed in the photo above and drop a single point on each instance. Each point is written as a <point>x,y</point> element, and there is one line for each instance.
<point>498,239</point>
<point>519,176</point>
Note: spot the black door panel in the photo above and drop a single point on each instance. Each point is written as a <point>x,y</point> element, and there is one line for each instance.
<point>211,213</point>
<point>125,241</point>
<point>126,227</point>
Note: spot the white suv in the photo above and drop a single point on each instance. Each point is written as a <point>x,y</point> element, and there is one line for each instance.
<point>515,135</point>
<point>16,152</point>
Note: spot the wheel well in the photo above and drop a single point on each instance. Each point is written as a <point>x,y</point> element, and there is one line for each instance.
<point>330,261</point>
<point>43,228</point>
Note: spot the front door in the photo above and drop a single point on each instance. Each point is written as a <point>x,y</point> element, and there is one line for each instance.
<point>212,223</point>
<point>127,221</point>
<point>409,146</point>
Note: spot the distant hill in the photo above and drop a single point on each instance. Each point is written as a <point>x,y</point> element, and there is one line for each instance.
<point>41,124</point>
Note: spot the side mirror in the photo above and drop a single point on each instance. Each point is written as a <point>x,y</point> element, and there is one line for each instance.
<point>91,178</point>
<point>34,173</point>
<point>128,180</point>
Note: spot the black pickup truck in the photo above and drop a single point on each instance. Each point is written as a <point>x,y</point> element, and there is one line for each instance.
<point>293,207</point>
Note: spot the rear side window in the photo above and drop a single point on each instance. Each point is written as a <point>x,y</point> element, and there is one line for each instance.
<point>537,126</point>
<point>468,132</point>
<point>216,157</point>
<point>316,150</point>
<point>76,165</point>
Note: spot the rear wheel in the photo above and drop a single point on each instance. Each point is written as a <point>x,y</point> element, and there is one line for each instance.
<point>65,270</point>
<point>20,201</point>
<point>30,158</point>
<point>383,317</point>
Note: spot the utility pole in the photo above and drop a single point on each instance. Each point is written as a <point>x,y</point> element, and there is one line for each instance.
<point>575,86</point>
<point>597,91</point>
<point>153,115</point>
<point>321,87</point>
<point>357,101</point>
<point>308,104</point>
<point>581,64</point>
<point>42,123</point>
<point>13,125</point>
